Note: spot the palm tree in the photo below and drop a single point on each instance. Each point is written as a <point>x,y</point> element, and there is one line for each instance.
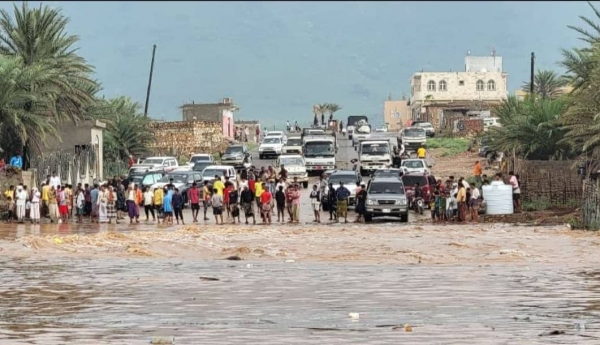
<point>546,84</point>
<point>531,129</point>
<point>332,108</point>
<point>126,128</point>
<point>26,95</point>
<point>38,35</point>
<point>589,37</point>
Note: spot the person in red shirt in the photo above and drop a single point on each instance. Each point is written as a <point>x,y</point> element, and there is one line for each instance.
<point>265,200</point>
<point>194,198</point>
<point>226,192</point>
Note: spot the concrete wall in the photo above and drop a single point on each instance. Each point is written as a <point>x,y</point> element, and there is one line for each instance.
<point>184,138</point>
<point>396,114</point>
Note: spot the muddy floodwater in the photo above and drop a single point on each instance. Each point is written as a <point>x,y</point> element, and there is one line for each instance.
<point>306,284</point>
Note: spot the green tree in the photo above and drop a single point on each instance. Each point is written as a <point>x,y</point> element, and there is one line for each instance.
<point>582,119</point>
<point>531,129</point>
<point>26,95</point>
<point>546,84</point>
<point>332,108</point>
<point>37,38</point>
<point>126,131</point>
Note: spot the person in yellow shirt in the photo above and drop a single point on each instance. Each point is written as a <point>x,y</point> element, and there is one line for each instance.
<point>461,199</point>
<point>10,192</point>
<point>45,198</point>
<point>421,153</point>
<point>257,193</point>
<point>218,185</point>
<point>158,201</point>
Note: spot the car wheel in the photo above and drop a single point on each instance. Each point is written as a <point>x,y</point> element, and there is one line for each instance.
<point>404,218</point>
<point>368,218</point>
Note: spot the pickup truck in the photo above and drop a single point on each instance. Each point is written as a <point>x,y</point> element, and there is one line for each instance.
<point>293,146</point>
<point>412,138</point>
<point>373,155</point>
<point>295,166</point>
<point>319,153</point>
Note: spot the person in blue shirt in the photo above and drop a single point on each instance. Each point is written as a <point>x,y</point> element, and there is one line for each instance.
<point>342,194</point>
<point>168,207</point>
<point>17,161</point>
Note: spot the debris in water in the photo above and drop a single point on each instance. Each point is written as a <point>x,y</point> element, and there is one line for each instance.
<point>57,240</point>
<point>555,332</point>
<point>354,316</point>
<point>407,328</point>
<point>579,326</point>
<point>210,279</point>
<point>290,261</point>
<point>234,258</point>
<point>162,340</point>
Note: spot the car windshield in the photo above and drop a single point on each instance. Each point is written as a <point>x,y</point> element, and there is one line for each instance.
<point>274,134</point>
<point>386,188</point>
<point>196,159</point>
<point>177,178</point>
<point>319,149</point>
<point>387,173</point>
<point>234,149</point>
<point>413,164</point>
<point>153,161</point>
<point>136,179</point>
<point>375,148</point>
<point>137,171</point>
<point>345,179</point>
<point>291,161</point>
<point>294,142</point>
<point>414,132</point>
<point>410,181</point>
<point>316,132</point>
<point>210,173</point>
<point>272,141</point>
<point>201,166</point>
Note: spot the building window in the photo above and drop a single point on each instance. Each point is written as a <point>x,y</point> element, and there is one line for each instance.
<point>431,85</point>
<point>479,85</point>
<point>442,85</point>
<point>491,85</point>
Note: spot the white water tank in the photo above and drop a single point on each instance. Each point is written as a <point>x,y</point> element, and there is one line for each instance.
<point>499,198</point>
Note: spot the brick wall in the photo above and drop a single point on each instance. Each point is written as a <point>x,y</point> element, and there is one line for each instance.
<point>184,138</point>
<point>552,181</point>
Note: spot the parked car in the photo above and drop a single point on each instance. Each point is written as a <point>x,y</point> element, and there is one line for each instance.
<point>349,178</point>
<point>238,156</point>
<point>182,180</point>
<point>209,173</point>
<point>144,179</point>
<point>389,172</point>
<point>386,197</point>
<point>426,182</point>
<point>200,166</point>
<point>416,165</point>
<point>201,157</point>
<point>165,164</point>
<point>271,146</point>
<point>427,126</point>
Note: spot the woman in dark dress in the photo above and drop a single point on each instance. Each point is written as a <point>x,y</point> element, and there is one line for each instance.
<point>332,201</point>
<point>121,205</point>
<point>361,200</point>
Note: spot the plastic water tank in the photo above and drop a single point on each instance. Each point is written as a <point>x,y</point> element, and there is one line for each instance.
<point>499,198</point>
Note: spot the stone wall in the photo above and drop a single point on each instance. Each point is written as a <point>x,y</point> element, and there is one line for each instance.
<point>556,182</point>
<point>184,138</point>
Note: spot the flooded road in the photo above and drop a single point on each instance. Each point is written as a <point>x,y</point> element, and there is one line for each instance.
<point>297,284</point>
<point>129,301</point>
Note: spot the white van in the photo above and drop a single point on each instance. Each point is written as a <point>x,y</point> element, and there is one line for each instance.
<point>165,164</point>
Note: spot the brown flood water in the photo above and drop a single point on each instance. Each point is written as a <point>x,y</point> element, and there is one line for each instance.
<point>480,284</point>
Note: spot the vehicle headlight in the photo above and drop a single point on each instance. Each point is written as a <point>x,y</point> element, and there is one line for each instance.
<point>401,202</point>
<point>370,202</point>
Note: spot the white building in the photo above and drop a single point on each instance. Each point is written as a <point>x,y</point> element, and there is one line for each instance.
<point>481,85</point>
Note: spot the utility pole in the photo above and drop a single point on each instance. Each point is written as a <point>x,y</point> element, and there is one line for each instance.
<point>149,81</point>
<point>531,77</point>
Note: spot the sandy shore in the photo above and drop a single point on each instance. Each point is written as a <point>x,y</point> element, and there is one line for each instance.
<point>384,243</point>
